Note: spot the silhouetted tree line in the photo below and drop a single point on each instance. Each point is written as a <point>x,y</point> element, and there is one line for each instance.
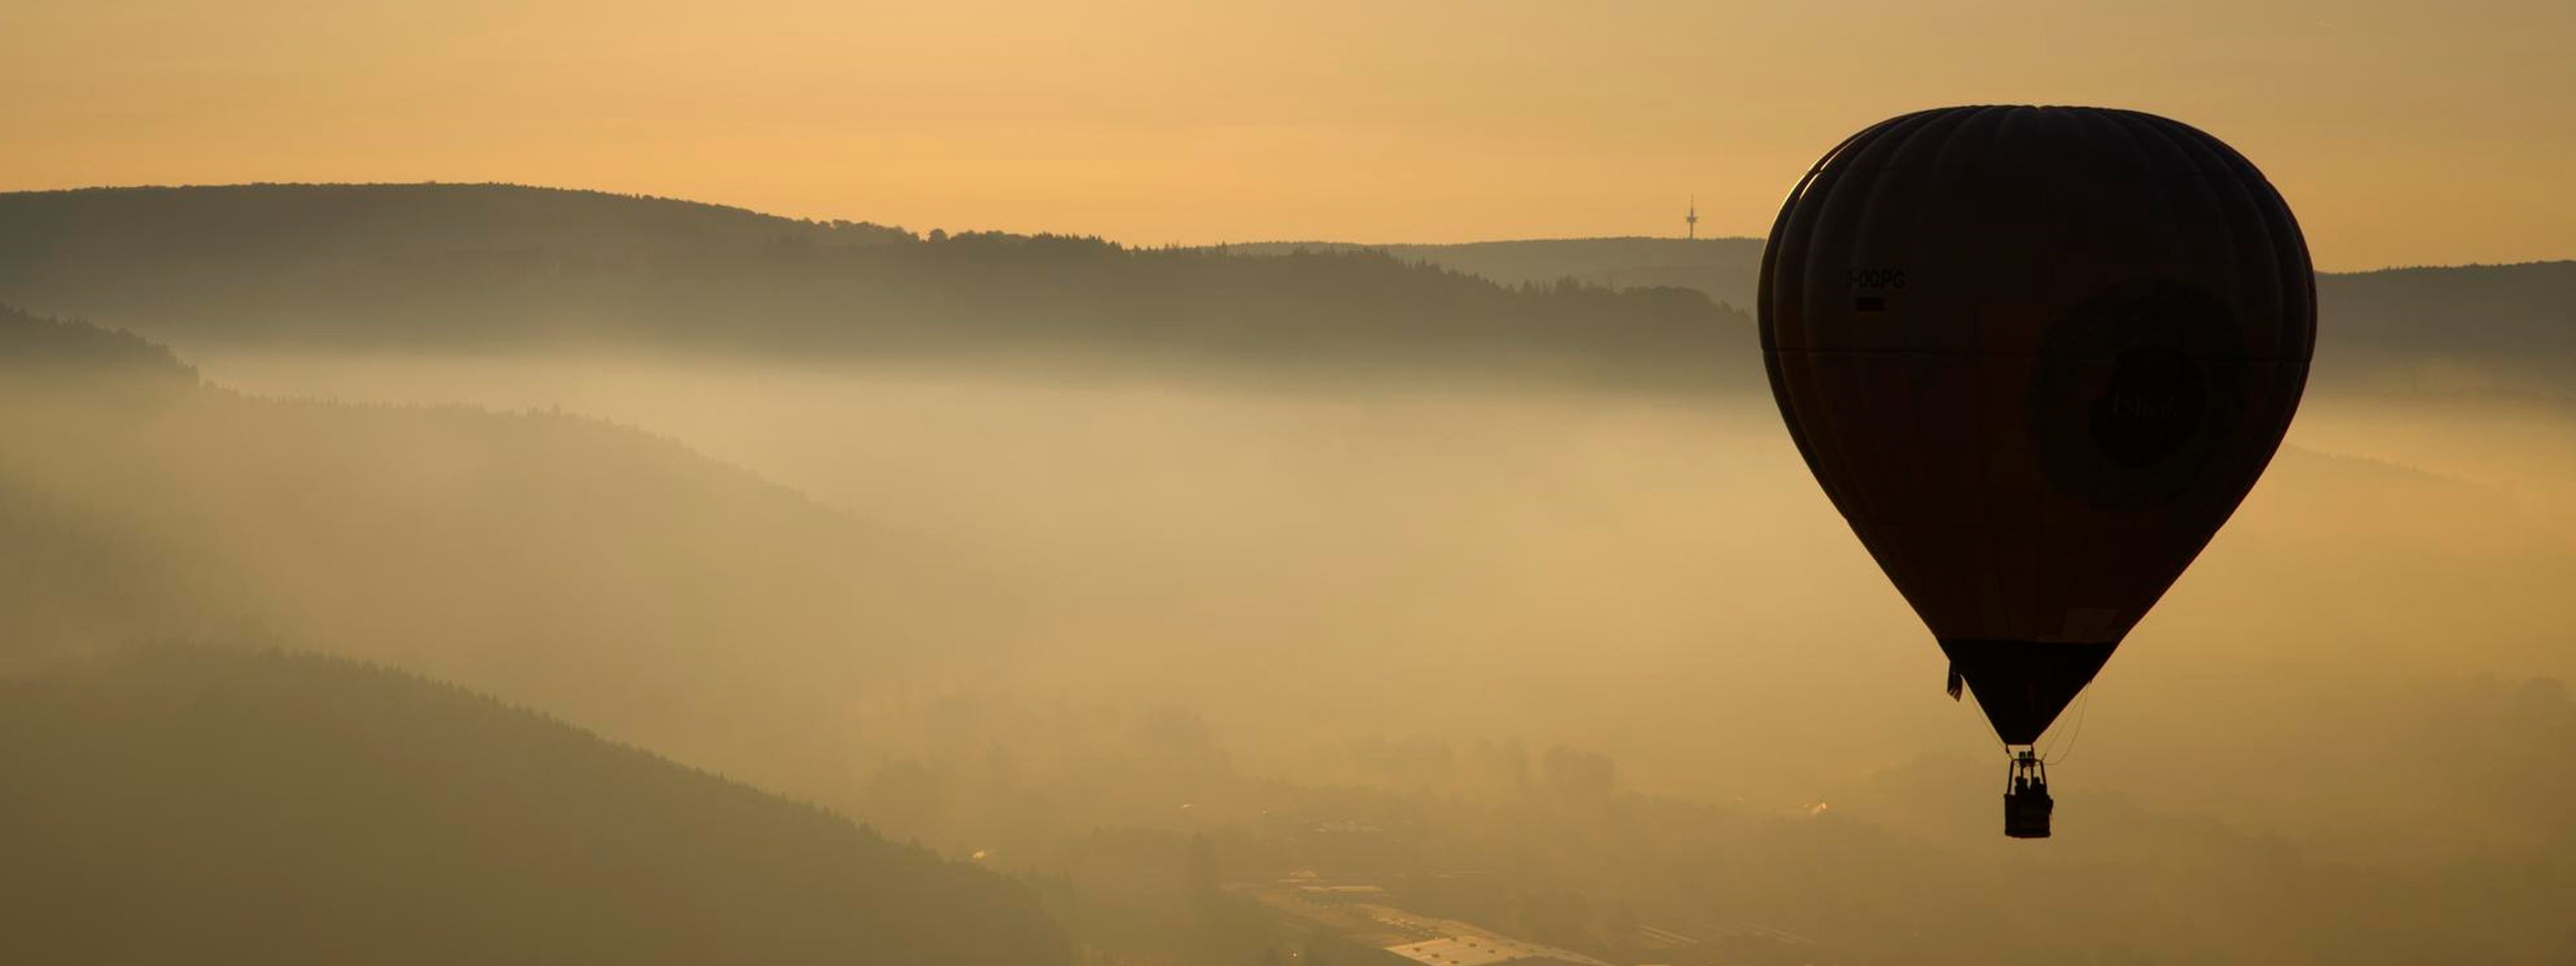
<point>484,266</point>
<point>2506,326</point>
<point>1724,269</point>
<point>448,266</point>
<point>30,343</point>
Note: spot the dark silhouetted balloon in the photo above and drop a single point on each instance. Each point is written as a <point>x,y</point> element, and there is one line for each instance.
<point>2036,356</point>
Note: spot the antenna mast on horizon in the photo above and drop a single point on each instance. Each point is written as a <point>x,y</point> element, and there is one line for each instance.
<point>1690,222</point>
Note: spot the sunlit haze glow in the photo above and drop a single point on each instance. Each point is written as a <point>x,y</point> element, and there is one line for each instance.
<point>2403,133</point>
<point>788,481</point>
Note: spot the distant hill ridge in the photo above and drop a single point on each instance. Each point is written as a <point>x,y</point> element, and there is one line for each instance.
<point>29,341</point>
<point>502,267</point>
<point>497,266</point>
<point>1723,268</point>
<point>368,220</point>
<point>2509,326</point>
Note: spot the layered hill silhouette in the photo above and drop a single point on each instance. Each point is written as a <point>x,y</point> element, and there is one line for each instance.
<point>204,803</point>
<point>617,580</point>
<point>2509,326</point>
<point>196,804</point>
<point>494,266</point>
<point>478,267</point>
<point>610,576</point>
<point>1724,269</point>
<point>2403,330</point>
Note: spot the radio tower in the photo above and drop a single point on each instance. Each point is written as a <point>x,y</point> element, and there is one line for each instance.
<point>1690,222</point>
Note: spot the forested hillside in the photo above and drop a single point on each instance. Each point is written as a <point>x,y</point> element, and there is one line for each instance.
<point>480,267</point>
<point>495,267</point>
<point>2407,331</point>
<point>1725,269</point>
<point>285,227</point>
<point>2507,326</point>
<point>191,804</point>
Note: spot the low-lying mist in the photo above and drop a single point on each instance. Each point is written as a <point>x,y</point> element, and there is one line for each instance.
<point>1590,667</point>
<point>1650,577</point>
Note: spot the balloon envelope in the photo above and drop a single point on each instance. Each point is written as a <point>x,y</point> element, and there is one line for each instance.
<point>2036,356</point>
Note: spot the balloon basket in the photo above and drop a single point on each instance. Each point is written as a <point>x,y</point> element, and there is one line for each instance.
<point>2026,801</point>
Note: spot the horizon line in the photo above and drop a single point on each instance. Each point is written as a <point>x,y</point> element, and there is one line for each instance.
<point>674,199</point>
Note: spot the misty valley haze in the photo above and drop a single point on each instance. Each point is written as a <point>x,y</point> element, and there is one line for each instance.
<point>567,576</point>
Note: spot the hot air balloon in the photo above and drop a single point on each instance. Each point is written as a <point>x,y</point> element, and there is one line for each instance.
<point>2036,356</point>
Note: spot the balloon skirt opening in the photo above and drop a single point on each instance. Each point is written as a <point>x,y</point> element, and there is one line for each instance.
<point>2023,685</point>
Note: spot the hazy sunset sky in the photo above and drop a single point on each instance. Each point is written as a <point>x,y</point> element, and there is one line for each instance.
<point>2401,133</point>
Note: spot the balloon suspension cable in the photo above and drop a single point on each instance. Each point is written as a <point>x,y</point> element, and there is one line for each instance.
<point>2055,757</point>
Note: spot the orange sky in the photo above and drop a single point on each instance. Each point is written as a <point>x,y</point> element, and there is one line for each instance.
<point>2402,133</point>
